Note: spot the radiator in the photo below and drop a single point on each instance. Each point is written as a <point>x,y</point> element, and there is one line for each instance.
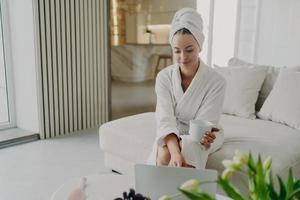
<point>73,64</point>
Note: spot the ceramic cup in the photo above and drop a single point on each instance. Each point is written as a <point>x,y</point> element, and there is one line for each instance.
<point>198,128</point>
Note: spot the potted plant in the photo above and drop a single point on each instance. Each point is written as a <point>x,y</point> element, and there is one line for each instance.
<point>260,181</point>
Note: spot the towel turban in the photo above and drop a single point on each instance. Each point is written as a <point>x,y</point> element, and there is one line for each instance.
<point>190,19</point>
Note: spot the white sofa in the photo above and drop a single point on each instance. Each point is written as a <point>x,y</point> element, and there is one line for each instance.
<point>129,140</point>
<point>272,90</point>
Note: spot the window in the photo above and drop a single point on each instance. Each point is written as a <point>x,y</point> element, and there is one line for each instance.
<point>6,105</point>
<point>224,28</point>
<point>220,25</point>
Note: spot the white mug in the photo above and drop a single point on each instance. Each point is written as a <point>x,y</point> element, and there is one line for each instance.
<point>198,128</point>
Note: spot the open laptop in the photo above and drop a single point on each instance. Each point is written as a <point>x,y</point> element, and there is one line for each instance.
<point>156,181</point>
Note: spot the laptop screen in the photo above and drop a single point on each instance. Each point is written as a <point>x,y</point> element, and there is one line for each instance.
<point>156,181</point>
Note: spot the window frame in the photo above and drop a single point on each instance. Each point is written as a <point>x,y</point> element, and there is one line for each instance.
<point>4,20</point>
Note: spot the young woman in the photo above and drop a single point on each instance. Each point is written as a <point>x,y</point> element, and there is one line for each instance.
<point>186,90</point>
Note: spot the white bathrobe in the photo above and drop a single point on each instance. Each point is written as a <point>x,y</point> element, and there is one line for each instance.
<point>203,99</point>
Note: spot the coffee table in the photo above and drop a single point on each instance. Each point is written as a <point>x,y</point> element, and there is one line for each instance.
<point>102,187</point>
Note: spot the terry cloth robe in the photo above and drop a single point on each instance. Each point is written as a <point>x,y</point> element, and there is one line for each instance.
<point>203,99</point>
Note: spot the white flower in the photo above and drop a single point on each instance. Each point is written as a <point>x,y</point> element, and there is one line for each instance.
<point>233,165</point>
<point>240,157</point>
<point>165,197</point>
<point>227,173</point>
<point>268,163</point>
<point>227,163</point>
<point>191,185</point>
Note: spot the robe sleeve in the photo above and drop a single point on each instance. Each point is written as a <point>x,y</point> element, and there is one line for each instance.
<point>212,104</point>
<point>165,115</point>
<point>211,110</point>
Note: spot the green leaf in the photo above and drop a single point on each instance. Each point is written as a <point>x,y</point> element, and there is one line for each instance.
<point>251,185</point>
<point>294,194</point>
<point>290,182</point>
<point>251,164</point>
<point>296,184</point>
<point>196,195</point>
<point>261,187</point>
<point>273,194</point>
<point>282,194</point>
<point>267,176</point>
<point>230,190</point>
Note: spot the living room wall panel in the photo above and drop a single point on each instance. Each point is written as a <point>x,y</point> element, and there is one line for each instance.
<point>72,55</point>
<point>249,17</point>
<point>279,33</point>
<point>269,32</point>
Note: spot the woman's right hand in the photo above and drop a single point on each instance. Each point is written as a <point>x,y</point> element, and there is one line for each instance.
<point>177,160</point>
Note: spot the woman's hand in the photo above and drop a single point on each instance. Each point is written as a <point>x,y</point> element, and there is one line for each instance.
<point>177,160</point>
<point>209,138</point>
<point>173,145</point>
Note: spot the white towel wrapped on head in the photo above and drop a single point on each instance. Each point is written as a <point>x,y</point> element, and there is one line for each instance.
<point>190,19</point>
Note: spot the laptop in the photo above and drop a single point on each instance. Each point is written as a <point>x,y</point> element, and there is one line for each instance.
<point>156,181</point>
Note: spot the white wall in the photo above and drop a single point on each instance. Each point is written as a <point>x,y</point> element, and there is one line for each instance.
<point>224,31</point>
<point>270,32</point>
<point>23,61</point>
<point>279,33</point>
<point>248,26</point>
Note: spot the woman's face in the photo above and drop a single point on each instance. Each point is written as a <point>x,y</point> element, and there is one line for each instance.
<point>185,50</point>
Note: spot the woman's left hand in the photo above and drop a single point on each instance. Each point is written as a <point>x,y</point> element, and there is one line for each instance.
<point>209,138</point>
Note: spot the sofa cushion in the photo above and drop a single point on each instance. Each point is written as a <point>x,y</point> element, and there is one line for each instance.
<point>259,136</point>
<point>131,139</point>
<point>283,105</point>
<point>268,83</point>
<point>242,88</point>
<point>270,79</point>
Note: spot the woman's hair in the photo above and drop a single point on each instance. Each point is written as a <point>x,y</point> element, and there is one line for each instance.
<point>183,31</point>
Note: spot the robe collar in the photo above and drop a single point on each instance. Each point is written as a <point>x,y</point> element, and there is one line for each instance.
<point>179,93</point>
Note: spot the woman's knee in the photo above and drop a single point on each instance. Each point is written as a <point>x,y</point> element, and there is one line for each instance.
<point>163,157</point>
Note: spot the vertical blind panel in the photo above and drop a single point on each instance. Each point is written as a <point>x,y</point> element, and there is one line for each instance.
<point>60,109</point>
<point>73,60</point>
<point>106,79</point>
<point>74,64</point>
<point>78,65</point>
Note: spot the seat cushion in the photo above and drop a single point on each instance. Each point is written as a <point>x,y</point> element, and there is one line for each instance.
<point>258,136</point>
<point>131,140</point>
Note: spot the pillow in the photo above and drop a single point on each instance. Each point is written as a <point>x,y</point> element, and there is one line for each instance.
<point>283,103</point>
<point>243,85</point>
<point>271,76</point>
<point>270,79</point>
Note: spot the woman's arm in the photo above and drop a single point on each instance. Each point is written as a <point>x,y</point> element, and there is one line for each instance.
<point>172,143</point>
<point>167,132</point>
<point>211,110</point>
<point>165,119</point>
<point>177,159</point>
